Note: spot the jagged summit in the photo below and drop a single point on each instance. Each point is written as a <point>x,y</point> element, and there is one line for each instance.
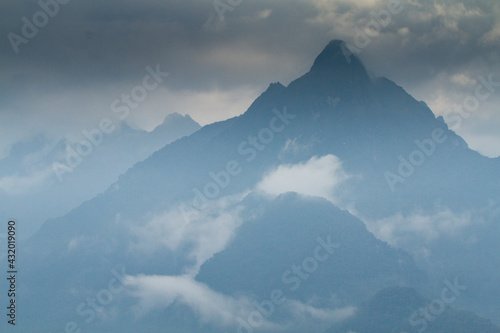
<point>277,86</point>
<point>337,58</point>
<point>336,72</point>
<point>174,124</point>
<point>335,53</point>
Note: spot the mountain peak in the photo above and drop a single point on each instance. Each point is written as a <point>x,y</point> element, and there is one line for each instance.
<point>177,118</point>
<point>336,52</point>
<point>277,86</point>
<point>336,70</point>
<point>336,57</point>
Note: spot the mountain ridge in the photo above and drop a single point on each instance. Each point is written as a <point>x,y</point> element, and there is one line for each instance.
<point>365,124</point>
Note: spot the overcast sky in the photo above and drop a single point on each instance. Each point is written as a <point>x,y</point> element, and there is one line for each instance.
<point>65,76</point>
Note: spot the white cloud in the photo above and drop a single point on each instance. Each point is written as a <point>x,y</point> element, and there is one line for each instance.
<point>416,231</point>
<point>207,233</point>
<point>18,185</point>
<point>159,292</point>
<point>320,176</point>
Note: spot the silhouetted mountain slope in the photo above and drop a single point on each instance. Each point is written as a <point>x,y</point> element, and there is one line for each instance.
<point>28,173</point>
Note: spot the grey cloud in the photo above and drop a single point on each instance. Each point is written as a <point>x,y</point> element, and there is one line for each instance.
<point>99,49</point>
<point>207,234</point>
<point>159,292</point>
<point>416,232</point>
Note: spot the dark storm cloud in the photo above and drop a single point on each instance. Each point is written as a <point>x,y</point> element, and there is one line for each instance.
<point>93,43</point>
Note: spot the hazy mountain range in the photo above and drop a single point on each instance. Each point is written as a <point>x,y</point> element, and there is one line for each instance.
<point>37,171</point>
<point>336,204</point>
